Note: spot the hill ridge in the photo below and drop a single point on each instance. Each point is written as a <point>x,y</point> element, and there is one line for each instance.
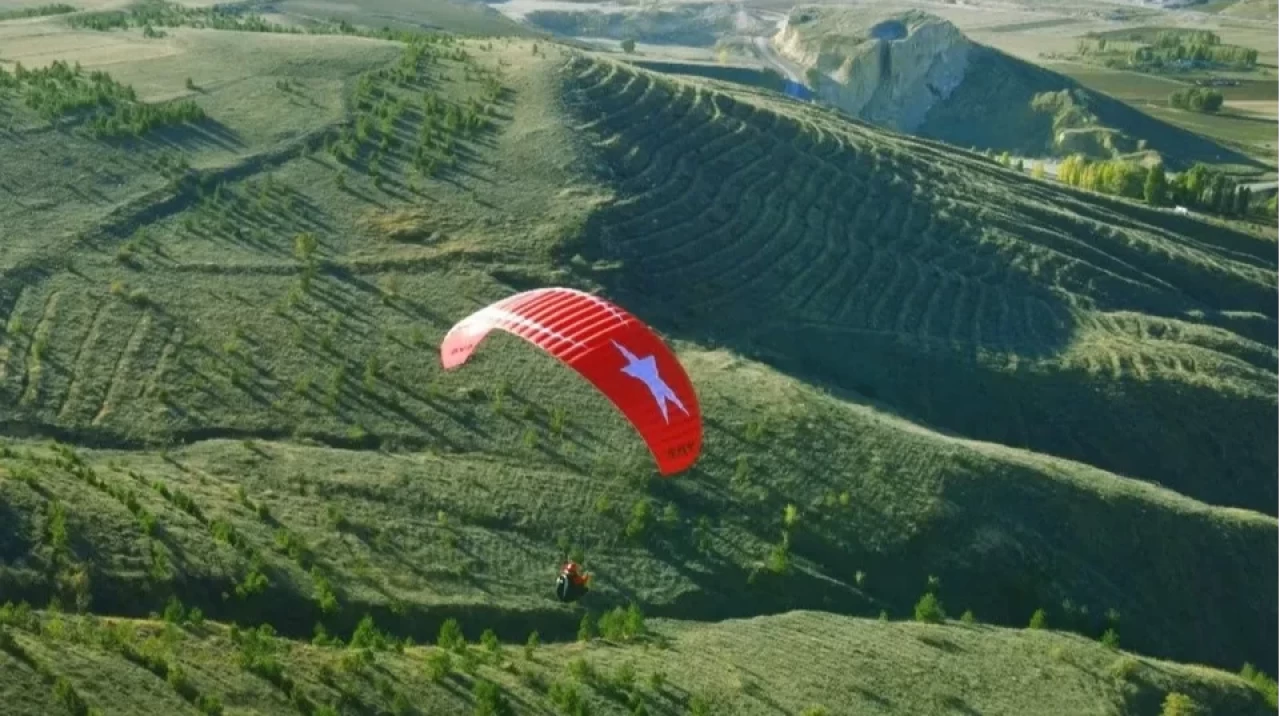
<point>979,256</point>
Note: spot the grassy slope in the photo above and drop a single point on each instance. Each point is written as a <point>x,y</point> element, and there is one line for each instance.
<point>757,666</point>
<point>997,79</point>
<point>925,291</point>
<point>219,348</point>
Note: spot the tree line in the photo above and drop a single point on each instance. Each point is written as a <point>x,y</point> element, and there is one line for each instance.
<point>1200,187</point>
<point>109,108</point>
<point>1197,99</point>
<point>1170,47</point>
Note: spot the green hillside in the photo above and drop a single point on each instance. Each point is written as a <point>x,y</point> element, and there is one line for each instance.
<point>1028,125</point>
<point>219,382</point>
<point>756,666</point>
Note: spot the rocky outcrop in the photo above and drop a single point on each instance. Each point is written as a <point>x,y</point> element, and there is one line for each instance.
<point>889,69</point>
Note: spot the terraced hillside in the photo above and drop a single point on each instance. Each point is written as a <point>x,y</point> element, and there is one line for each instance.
<point>239,361</point>
<point>963,295</point>
<point>756,666</point>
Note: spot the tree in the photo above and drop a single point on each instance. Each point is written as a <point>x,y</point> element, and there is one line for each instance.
<point>628,45</point>
<point>488,698</point>
<point>1176,704</point>
<point>1156,189</point>
<point>304,245</point>
<point>450,636</point>
<point>1111,639</point>
<point>929,609</point>
<point>1039,620</point>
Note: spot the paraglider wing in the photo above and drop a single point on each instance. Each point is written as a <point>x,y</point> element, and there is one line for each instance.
<point>619,355</point>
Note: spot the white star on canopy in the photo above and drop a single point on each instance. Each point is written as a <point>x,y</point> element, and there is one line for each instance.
<point>645,370</point>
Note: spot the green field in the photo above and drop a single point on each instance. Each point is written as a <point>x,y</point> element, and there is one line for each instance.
<point>1246,133</point>
<point>921,373</point>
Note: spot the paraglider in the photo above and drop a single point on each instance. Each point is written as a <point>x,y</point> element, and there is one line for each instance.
<point>621,356</point>
<point>572,582</point>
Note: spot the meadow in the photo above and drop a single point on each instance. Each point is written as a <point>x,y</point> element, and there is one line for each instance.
<point>925,377</point>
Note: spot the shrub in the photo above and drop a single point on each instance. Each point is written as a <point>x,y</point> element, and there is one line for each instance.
<point>633,625</point>
<point>929,609</point>
<point>489,640</point>
<point>815,711</point>
<point>212,705</point>
<point>968,617</point>
<point>439,664</point>
<point>1039,620</point>
<point>1124,667</point>
<point>367,636</point>
<point>778,560</point>
<point>488,698</point>
<point>531,645</point>
<point>1110,639</point>
<point>65,694</point>
<point>640,513</point>
<point>790,515</point>
<point>450,636</point>
<point>1261,683</point>
<point>173,611</point>
<point>580,669</point>
<point>567,696</point>
<point>1178,704</point>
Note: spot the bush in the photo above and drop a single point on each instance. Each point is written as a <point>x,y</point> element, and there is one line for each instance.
<point>531,645</point>
<point>580,669</point>
<point>489,640</point>
<point>450,636</point>
<point>1261,683</point>
<point>567,696</point>
<point>488,698</point>
<point>815,711</point>
<point>1110,639</point>
<point>1039,620</point>
<point>439,664</point>
<point>367,636</point>
<point>1124,668</point>
<point>968,617</point>
<point>1177,704</point>
<point>929,609</point>
<point>173,611</point>
<point>212,705</point>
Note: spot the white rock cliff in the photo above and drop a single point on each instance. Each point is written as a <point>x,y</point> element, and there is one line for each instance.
<point>885,69</point>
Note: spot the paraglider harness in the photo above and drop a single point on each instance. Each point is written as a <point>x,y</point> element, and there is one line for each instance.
<point>572,583</point>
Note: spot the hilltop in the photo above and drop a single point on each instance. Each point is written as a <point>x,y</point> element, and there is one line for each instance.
<point>920,371</point>
<point>915,72</point>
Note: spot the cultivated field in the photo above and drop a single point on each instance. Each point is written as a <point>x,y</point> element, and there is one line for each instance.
<point>922,374</point>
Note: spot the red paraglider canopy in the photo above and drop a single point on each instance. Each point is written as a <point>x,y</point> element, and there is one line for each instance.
<point>608,346</point>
